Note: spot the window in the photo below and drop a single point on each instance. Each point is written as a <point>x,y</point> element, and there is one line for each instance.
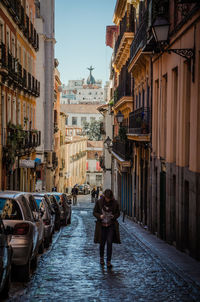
<point>13,46</point>
<point>9,108</point>
<point>18,112</point>
<point>92,119</point>
<point>1,31</point>
<point>24,113</point>
<point>14,111</point>
<point>9,209</point>
<point>74,120</point>
<point>66,121</point>
<point>24,58</point>
<point>83,120</point>
<point>19,54</point>
<point>8,37</point>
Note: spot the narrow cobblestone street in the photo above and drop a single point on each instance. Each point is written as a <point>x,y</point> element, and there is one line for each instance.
<point>70,269</point>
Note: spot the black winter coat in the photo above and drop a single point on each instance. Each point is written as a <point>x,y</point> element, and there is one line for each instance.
<point>97,212</point>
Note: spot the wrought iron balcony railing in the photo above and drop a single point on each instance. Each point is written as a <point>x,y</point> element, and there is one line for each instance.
<point>125,26</point>
<point>122,149</point>
<point>18,140</point>
<point>12,69</point>
<point>139,121</point>
<point>140,38</point>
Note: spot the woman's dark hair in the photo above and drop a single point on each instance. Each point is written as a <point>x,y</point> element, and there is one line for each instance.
<point>109,194</point>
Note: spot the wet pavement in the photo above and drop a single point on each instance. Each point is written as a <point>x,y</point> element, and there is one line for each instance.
<point>70,271</point>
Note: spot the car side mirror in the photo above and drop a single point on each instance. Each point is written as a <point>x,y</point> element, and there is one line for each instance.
<point>9,230</point>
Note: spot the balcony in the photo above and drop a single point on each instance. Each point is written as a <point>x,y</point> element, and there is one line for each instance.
<point>139,125</point>
<point>19,74</point>
<point>24,79</point>
<point>124,40</point>
<point>7,3</point>
<point>31,33</point>
<point>123,99</point>
<point>3,59</point>
<point>19,141</point>
<point>122,149</point>
<point>140,45</point>
<point>22,18</point>
<point>29,82</point>
<point>26,30</point>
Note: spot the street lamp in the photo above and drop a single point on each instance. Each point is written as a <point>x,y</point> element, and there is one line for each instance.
<point>119,117</point>
<point>160,29</point>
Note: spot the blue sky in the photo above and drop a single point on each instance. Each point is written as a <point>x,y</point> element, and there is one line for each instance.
<point>80,30</point>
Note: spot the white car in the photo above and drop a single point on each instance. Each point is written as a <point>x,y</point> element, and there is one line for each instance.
<point>16,213</point>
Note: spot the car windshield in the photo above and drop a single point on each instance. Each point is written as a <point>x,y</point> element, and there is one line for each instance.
<point>40,203</point>
<point>9,209</point>
<point>57,197</point>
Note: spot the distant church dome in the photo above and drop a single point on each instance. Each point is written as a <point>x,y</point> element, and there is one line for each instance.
<point>91,79</point>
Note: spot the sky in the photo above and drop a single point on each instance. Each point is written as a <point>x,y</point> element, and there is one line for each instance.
<point>80,31</point>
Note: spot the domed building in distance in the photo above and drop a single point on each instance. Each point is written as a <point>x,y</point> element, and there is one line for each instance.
<point>83,92</point>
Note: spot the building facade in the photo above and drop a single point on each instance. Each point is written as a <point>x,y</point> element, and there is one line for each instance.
<point>82,91</point>
<point>155,84</point>
<point>44,110</point>
<point>75,157</point>
<point>78,115</point>
<point>19,90</point>
<point>176,131</point>
<point>94,172</point>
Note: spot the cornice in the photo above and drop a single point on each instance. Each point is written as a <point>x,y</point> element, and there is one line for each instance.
<point>119,9</point>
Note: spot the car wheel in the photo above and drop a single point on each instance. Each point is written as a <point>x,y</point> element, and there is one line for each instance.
<point>24,271</point>
<point>34,263</point>
<point>46,243</point>
<point>41,248</point>
<point>69,219</point>
<point>6,288</point>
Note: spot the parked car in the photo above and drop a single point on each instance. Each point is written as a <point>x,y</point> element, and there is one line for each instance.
<point>57,210</point>
<point>5,259</point>
<point>65,206</point>
<point>47,219</point>
<point>16,213</point>
<point>38,219</point>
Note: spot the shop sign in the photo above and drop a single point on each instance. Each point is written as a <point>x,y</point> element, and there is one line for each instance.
<point>26,163</point>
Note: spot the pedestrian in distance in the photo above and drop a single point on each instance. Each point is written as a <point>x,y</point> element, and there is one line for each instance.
<point>97,193</point>
<point>106,210</point>
<point>93,194</point>
<point>74,195</point>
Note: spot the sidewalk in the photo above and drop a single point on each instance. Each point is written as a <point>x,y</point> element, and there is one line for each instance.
<point>185,266</point>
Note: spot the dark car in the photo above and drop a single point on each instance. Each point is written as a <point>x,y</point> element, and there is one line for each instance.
<point>65,206</point>
<point>5,259</point>
<point>57,210</point>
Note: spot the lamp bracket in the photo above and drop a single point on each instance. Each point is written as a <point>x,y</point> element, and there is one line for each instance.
<point>187,53</point>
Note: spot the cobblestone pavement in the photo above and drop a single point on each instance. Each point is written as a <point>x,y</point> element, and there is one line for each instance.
<point>70,270</point>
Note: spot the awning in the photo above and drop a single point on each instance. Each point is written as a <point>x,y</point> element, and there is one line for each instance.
<point>37,161</point>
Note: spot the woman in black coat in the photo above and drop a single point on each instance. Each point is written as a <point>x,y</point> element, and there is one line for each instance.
<point>106,211</point>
